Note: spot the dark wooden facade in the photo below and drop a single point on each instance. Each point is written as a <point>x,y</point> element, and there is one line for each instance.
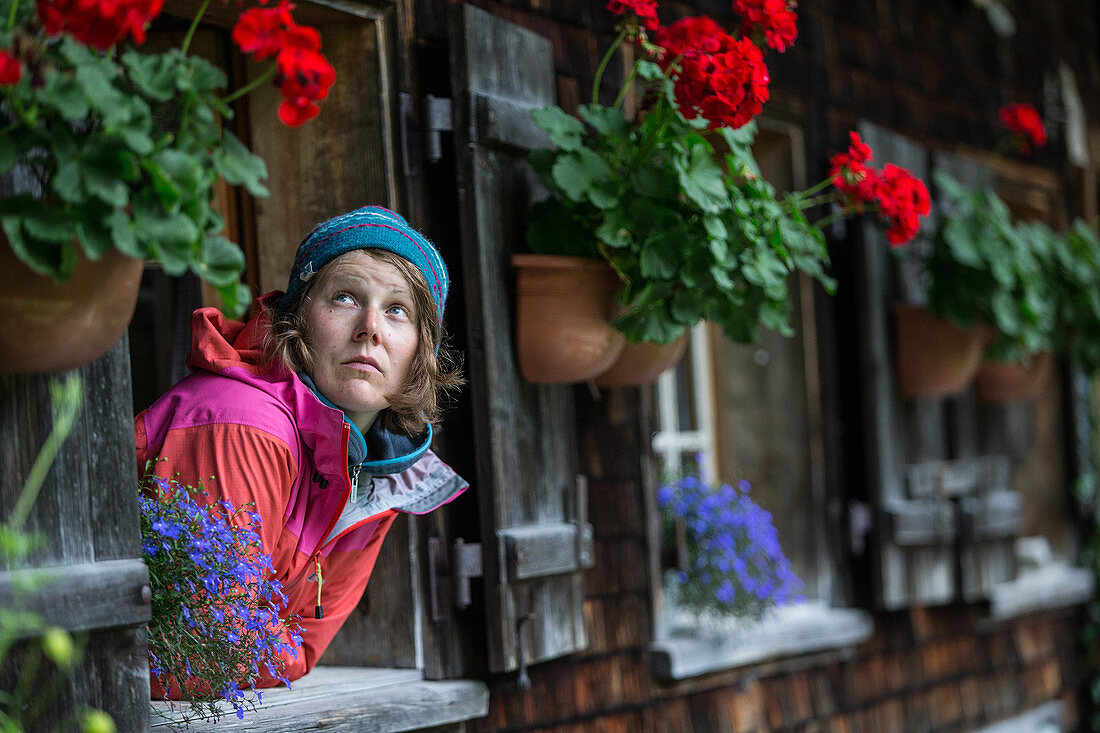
<point>924,79</point>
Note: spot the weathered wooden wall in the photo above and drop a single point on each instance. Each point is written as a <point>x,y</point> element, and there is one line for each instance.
<point>932,71</point>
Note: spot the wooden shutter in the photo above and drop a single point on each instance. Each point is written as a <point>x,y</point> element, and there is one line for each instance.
<point>533,531</point>
<point>946,514</point>
<point>914,562</point>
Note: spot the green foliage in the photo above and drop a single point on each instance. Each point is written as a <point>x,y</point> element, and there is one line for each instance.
<point>1074,273</point>
<point>125,150</point>
<point>1036,287</point>
<point>692,234</point>
<point>985,268</point>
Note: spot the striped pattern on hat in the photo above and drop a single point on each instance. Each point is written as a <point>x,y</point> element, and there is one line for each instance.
<point>371,227</point>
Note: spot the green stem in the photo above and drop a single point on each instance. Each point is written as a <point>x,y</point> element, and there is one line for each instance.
<point>626,85</point>
<point>261,79</point>
<point>806,203</point>
<point>66,397</point>
<point>603,65</point>
<point>812,190</point>
<point>11,15</point>
<point>194,26</point>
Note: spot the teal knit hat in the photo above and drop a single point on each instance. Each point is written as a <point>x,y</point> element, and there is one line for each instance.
<point>371,227</point>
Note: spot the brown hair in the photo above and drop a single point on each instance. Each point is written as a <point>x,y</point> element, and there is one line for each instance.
<point>435,370</point>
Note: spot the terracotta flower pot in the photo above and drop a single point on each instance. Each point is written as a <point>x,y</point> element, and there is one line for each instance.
<point>998,383</point>
<point>563,305</point>
<point>46,327</point>
<point>642,363</point>
<point>934,358</point>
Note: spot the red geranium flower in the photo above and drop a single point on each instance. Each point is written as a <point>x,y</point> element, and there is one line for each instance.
<point>1023,120</point>
<point>695,35</point>
<point>646,10</point>
<point>774,19</point>
<point>99,23</point>
<point>260,31</point>
<point>902,199</point>
<point>720,78</point>
<point>849,171</point>
<point>11,71</point>
<point>304,77</point>
<point>304,74</point>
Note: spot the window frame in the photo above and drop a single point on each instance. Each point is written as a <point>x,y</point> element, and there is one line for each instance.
<point>680,651</point>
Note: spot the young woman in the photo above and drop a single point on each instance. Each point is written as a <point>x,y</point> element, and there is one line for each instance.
<point>319,410</point>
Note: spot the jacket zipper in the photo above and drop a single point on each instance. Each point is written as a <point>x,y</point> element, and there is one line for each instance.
<point>319,611</point>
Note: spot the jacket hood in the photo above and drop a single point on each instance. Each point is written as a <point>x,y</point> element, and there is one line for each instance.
<point>235,349</point>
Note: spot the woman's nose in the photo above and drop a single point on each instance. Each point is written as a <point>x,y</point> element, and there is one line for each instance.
<point>369,325</point>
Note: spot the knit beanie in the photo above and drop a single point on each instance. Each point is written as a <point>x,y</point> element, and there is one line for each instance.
<point>371,227</point>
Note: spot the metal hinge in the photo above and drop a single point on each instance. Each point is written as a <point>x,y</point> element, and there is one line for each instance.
<point>422,128</point>
<point>449,573</point>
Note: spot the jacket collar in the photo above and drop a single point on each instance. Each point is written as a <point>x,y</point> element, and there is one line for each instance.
<point>380,451</point>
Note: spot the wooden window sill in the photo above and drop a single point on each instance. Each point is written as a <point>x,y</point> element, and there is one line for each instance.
<point>347,699</point>
<point>1047,587</point>
<point>791,631</point>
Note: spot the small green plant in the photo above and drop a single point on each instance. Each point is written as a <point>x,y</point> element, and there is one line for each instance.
<point>216,623</point>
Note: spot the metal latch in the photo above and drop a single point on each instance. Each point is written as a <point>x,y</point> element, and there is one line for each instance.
<point>449,572</point>
<point>421,129</point>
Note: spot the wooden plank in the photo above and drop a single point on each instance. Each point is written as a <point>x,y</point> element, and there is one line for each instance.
<point>81,597</point>
<point>504,121</point>
<point>792,630</point>
<point>351,700</point>
<point>544,549</point>
<point>958,477</point>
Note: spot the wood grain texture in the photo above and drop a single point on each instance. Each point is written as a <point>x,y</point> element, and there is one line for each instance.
<point>526,447</point>
<point>352,700</point>
<point>87,515</point>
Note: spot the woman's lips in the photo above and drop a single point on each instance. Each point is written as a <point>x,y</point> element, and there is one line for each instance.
<point>363,365</point>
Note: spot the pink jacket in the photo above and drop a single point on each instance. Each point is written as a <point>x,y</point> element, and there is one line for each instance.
<point>266,437</point>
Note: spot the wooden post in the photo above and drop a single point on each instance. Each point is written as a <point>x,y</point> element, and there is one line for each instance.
<point>94,582</point>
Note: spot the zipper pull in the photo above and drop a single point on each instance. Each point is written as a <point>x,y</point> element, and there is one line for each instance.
<point>355,483</point>
<point>319,611</point>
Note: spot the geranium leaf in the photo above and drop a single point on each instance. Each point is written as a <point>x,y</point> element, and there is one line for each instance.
<point>579,172</point>
<point>701,180</point>
<point>66,182</point>
<point>566,131</point>
<point>607,121</point>
<point>122,234</point>
<point>239,166</point>
<point>220,262</point>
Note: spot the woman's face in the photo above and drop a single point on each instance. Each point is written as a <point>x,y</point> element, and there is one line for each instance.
<point>362,327</point>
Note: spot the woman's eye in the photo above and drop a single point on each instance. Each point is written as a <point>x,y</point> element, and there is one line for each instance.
<point>343,298</point>
<point>398,310</point>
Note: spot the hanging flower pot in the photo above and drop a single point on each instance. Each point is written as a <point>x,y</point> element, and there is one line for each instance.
<point>642,363</point>
<point>934,358</point>
<point>998,383</point>
<point>563,305</point>
<point>49,327</point>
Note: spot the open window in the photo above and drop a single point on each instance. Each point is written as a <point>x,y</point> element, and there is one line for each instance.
<point>345,158</point>
<point>754,412</point>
